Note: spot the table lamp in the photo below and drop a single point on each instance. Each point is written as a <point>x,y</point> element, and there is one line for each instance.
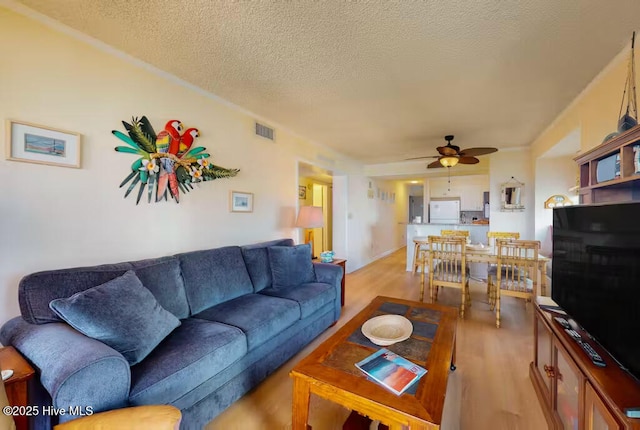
<point>310,217</point>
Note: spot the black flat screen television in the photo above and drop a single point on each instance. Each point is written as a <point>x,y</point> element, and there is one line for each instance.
<point>596,275</point>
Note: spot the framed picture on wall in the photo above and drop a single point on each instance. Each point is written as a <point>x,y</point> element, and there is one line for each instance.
<point>241,201</point>
<point>302,192</point>
<point>32,143</point>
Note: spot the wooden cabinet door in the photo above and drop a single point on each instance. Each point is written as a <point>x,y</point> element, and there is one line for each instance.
<point>544,357</point>
<point>569,390</point>
<point>597,416</point>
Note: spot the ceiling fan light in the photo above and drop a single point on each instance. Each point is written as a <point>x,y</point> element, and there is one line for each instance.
<point>448,160</point>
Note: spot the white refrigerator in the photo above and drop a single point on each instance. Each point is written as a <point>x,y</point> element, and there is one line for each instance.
<point>444,211</point>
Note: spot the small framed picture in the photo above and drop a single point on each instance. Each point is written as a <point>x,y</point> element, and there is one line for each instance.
<point>302,192</point>
<point>241,201</point>
<point>31,143</point>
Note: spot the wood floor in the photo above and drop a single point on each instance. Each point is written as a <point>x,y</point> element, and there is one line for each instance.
<point>490,389</point>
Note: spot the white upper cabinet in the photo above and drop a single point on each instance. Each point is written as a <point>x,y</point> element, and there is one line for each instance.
<point>439,187</point>
<point>469,189</point>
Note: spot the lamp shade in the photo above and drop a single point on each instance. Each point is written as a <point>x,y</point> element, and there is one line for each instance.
<point>310,217</point>
<point>449,160</point>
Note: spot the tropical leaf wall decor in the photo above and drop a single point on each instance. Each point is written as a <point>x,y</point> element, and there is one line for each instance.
<point>167,162</point>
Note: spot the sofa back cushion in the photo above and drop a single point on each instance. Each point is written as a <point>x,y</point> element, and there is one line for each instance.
<point>161,276</point>
<point>291,265</point>
<point>214,276</point>
<point>256,258</point>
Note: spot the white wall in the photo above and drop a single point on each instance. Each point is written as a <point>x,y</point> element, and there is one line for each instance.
<point>376,231</point>
<point>55,217</point>
<point>401,211</point>
<point>553,176</point>
<point>340,214</point>
<point>504,165</point>
<point>360,242</point>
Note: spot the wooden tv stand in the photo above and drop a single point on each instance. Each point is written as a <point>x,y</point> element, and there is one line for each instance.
<point>573,392</point>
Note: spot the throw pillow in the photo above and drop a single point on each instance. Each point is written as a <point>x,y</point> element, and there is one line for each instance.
<point>121,313</point>
<point>291,265</point>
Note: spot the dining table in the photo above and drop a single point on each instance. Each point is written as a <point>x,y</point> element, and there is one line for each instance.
<point>486,254</point>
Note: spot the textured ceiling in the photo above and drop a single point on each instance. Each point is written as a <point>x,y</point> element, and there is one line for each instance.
<point>379,81</point>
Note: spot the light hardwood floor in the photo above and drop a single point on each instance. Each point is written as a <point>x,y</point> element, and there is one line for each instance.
<point>490,388</point>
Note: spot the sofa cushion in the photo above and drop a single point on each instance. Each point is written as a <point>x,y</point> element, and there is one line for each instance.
<point>310,297</point>
<point>121,313</point>
<point>257,261</point>
<point>160,275</point>
<point>269,243</point>
<point>291,265</point>
<point>214,276</point>
<point>189,356</point>
<point>260,317</point>
<point>163,278</point>
<point>256,258</point>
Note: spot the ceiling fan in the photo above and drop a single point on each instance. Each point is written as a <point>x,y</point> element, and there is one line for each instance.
<point>450,155</point>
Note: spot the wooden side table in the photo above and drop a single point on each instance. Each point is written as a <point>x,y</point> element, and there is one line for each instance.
<point>342,263</point>
<point>16,386</point>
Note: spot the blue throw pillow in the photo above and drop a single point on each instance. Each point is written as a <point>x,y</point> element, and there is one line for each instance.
<point>121,313</point>
<point>291,265</point>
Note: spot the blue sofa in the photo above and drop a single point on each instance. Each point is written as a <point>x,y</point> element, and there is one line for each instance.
<point>235,328</point>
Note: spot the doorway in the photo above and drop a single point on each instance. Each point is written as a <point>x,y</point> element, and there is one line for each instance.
<point>316,189</point>
<point>416,203</point>
<point>322,238</point>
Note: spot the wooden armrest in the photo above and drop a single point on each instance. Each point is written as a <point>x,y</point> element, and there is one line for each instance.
<point>157,417</point>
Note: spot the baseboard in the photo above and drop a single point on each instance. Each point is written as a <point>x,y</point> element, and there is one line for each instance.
<point>384,254</point>
<point>376,258</point>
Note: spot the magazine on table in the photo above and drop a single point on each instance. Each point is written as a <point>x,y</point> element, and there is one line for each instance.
<point>390,370</point>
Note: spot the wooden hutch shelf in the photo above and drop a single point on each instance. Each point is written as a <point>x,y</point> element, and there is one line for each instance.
<point>625,186</point>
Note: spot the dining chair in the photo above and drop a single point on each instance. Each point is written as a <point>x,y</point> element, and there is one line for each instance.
<point>492,236</point>
<point>447,268</point>
<point>517,272</point>
<point>455,233</point>
<point>419,244</point>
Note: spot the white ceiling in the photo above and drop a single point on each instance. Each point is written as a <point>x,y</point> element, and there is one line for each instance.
<point>379,81</point>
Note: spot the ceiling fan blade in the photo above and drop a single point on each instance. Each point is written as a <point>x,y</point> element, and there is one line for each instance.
<point>468,160</point>
<point>420,158</point>
<point>434,165</point>
<point>448,150</point>
<point>472,152</point>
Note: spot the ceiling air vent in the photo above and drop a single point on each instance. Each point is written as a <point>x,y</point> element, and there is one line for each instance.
<point>264,131</point>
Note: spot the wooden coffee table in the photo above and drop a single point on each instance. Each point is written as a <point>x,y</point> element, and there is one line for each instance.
<point>329,371</point>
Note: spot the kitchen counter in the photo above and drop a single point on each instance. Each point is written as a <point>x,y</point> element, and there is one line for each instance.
<point>449,224</point>
<point>477,234</point>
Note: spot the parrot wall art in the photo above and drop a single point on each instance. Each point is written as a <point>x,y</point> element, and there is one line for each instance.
<point>168,161</point>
